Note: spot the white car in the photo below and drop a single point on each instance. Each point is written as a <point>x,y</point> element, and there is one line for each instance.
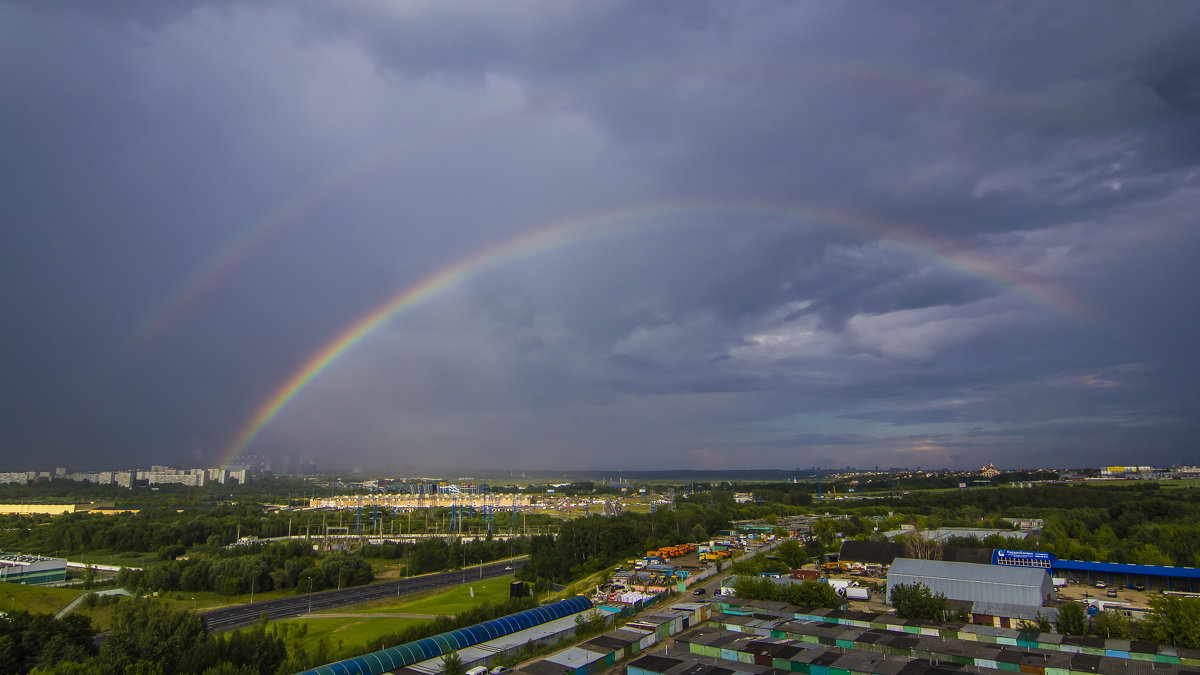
<point>508,569</point>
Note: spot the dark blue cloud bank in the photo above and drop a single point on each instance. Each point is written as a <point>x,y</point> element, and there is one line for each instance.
<point>839,234</point>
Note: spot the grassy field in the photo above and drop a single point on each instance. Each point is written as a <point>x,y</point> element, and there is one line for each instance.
<point>102,617</point>
<point>202,600</point>
<point>449,602</point>
<point>36,599</point>
<point>345,633</point>
<point>352,633</point>
<point>584,586</point>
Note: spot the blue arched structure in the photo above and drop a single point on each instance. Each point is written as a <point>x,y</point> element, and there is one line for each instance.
<point>409,653</point>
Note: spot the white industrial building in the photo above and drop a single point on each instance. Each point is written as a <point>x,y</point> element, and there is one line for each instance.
<point>971,582</point>
<point>16,568</point>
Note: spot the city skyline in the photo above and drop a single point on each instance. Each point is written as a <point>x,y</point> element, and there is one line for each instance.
<point>702,236</point>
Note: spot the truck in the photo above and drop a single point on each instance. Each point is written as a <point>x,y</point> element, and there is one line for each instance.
<point>858,593</point>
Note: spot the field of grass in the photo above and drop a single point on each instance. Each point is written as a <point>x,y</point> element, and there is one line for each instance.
<point>386,568</point>
<point>585,586</point>
<point>102,617</point>
<point>36,599</point>
<point>202,600</point>
<point>344,634</point>
<point>448,602</point>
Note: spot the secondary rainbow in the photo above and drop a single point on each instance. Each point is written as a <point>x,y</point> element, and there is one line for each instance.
<point>220,265</point>
<point>232,254</point>
<point>578,229</point>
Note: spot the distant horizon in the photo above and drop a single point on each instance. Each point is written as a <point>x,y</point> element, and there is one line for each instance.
<point>617,474</point>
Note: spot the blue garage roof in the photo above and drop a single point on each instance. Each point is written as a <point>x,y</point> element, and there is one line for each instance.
<point>403,655</point>
<point>1125,568</point>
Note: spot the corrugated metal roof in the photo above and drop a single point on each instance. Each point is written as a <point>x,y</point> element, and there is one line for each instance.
<point>1011,611</point>
<point>655,664</point>
<point>977,583</point>
<point>1125,568</point>
<point>544,667</point>
<point>575,657</point>
<point>486,650</point>
<point>407,654</point>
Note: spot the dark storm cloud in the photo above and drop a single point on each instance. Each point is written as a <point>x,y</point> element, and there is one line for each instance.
<point>372,144</point>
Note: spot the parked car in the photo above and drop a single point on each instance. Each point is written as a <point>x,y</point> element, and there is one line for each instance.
<point>1112,592</point>
<point>1101,584</point>
<point>501,670</point>
<point>698,591</point>
<point>1139,587</point>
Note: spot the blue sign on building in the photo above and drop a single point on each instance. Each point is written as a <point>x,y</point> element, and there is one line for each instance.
<point>1023,558</point>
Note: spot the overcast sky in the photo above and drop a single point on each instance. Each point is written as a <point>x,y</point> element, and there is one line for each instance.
<point>788,234</point>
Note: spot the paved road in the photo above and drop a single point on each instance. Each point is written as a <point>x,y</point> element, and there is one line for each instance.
<point>240,616</point>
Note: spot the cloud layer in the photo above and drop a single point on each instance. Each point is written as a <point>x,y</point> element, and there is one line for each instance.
<point>837,234</point>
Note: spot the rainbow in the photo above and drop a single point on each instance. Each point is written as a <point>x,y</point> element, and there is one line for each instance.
<point>233,253</point>
<point>219,266</point>
<point>572,230</point>
<point>230,255</point>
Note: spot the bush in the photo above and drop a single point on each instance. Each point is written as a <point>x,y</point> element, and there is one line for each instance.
<point>917,601</point>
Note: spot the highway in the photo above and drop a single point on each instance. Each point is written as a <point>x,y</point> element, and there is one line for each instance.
<point>241,616</point>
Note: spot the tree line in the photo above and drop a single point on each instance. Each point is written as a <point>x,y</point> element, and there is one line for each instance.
<point>147,638</point>
<point>802,594</point>
<point>435,555</point>
<point>587,545</point>
<point>236,572</point>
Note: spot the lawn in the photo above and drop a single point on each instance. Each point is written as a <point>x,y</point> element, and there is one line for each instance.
<point>343,634</point>
<point>448,602</point>
<point>36,599</point>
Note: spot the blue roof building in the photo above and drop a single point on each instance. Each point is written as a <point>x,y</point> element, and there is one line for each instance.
<point>377,663</point>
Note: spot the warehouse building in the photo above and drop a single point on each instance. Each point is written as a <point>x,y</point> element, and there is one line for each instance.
<point>31,569</point>
<point>970,582</point>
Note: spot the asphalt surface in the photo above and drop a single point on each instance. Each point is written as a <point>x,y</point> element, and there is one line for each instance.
<point>241,616</point>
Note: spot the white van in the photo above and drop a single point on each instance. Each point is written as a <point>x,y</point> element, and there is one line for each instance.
<point>480,670</point>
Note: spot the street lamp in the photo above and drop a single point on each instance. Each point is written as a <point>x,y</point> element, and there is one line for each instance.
<point>310,580</point>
